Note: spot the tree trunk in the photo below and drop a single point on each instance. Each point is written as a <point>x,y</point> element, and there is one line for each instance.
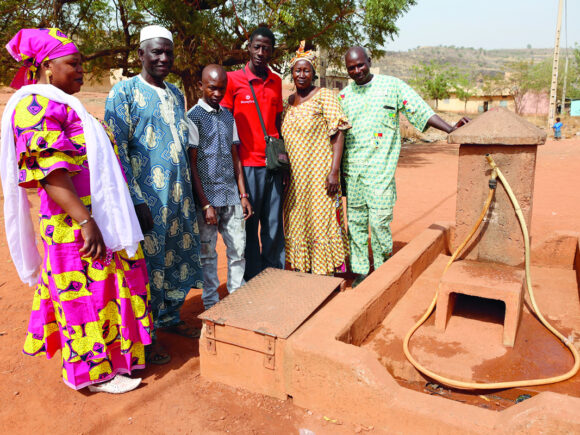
<point>518,103</point>
<point>190,90</point>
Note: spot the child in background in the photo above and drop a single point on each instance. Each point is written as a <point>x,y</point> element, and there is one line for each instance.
<point>218,181</point>
<point>557,127</point>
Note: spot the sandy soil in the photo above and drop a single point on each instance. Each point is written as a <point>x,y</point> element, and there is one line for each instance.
<point>174,398</point>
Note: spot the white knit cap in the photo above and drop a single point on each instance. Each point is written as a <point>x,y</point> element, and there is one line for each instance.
<point>154,31</point>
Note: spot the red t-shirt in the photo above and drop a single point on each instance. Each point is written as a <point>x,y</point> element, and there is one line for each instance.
<point>239,101</point>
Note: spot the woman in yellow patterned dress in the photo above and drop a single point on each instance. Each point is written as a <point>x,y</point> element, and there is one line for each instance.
<point>313,130</point>
<point>91,300</point>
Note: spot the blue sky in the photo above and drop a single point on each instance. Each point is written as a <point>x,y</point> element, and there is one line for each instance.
<point>485,23</point>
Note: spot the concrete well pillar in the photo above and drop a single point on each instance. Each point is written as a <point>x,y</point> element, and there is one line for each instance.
<point>491,266</point>
<point>513,143</point>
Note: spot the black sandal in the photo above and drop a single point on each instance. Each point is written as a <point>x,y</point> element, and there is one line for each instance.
<point>158,358</point>
<point>183,329</point>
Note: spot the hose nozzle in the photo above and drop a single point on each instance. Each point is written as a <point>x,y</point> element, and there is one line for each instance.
<point>493,176</point>
<point>490,161</point>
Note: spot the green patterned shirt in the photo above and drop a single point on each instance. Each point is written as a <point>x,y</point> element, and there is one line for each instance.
<point>373,144</point>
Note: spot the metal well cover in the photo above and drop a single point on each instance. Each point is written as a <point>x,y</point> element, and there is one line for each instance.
<point>275,302</point>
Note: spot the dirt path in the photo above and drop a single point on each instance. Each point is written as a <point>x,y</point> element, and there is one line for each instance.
<point>174,398</point>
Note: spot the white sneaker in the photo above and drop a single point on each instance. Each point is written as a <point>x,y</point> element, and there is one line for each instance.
<point>118,385</point>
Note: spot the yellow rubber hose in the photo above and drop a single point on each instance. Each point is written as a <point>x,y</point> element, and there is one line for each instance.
<point>495,385</point>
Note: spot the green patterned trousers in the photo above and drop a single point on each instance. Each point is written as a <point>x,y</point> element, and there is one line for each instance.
<point>359,220</point>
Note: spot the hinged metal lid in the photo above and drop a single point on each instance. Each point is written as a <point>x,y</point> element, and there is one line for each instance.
<point>275,302</point>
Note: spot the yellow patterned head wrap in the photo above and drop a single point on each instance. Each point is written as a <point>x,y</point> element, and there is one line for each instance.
<point>309,56</point>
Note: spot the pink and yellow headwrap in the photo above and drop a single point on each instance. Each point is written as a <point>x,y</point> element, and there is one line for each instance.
<point>309,56</point>
<point>34,46</point>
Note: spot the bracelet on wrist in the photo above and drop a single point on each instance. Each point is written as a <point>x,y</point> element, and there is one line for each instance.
<point>244,195</point>
<point>86,221</point>
<point>205,207</point>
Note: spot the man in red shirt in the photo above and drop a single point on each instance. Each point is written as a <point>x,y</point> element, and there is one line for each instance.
<point>263,186</point>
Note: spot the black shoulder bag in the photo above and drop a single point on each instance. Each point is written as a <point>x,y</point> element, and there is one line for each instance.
<point>276,155</point>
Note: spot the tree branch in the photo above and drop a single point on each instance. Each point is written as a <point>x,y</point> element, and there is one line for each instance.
<point>81,18</point>
<point>203,5</point>
<point>109,52</point>
<point>342,14</point>
<point>238,20</point>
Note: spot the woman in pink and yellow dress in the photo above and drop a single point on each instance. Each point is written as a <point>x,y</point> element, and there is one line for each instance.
<point>92,295</point>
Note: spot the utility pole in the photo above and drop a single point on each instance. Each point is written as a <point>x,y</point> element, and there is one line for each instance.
<point>554,87</point>
<point>567,57</point>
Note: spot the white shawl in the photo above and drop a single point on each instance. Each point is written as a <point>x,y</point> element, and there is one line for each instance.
<point>112,207</point>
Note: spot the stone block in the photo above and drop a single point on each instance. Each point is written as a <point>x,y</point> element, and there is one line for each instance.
<point>499,238</point>
<point>512,142</point>
<point>498,126</point>
<point>484,280</point>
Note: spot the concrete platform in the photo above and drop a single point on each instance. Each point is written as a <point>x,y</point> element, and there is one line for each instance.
<point>328,370</point>
<point>471,347</point>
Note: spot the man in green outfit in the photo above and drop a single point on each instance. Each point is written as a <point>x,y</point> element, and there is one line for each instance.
<point>371,152</point>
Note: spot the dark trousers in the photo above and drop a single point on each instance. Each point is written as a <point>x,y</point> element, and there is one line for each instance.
<point>265,226</point>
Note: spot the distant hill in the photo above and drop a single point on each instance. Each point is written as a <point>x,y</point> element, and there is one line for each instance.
<point>477,60</point>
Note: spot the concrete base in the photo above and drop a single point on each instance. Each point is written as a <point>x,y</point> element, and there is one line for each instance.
<point>331,374</point>
<point>327,371</point>
<point>484,280</point>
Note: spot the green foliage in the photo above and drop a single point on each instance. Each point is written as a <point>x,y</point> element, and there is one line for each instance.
<point>525,76</point>
<point>106,31</point>
<point>573,85</point>
<point>205,31</point>
<point>434,79</point>
<point>521,77</point>
<point>15,14</point>
<point>464,88</point>
<point>492,84</point>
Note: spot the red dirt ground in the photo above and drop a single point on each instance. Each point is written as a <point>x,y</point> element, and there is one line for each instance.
<point>174,398</point>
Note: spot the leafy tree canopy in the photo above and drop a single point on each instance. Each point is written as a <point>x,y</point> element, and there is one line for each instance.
<point>573,82</point>
<point>465,88</point>
<point>205,31</point>
<point>434,79</point>
<point>524,76</point>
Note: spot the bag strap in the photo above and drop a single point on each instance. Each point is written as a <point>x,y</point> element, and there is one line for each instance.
<point>256,103</point>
